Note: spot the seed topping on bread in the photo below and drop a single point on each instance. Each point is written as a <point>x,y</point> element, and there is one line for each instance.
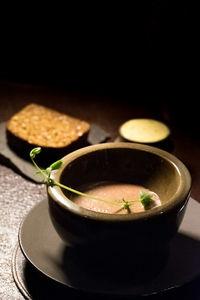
<point>46,127</point>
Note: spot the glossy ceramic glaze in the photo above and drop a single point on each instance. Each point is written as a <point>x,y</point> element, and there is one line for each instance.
<point>130,163</point>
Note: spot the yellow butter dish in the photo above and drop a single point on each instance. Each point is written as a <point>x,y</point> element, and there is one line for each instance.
<point>144,131</point>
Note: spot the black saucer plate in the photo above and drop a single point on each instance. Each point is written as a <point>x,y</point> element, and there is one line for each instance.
<point>43,248</point>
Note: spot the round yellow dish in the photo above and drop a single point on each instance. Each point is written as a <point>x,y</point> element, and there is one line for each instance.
<point>144,130</point>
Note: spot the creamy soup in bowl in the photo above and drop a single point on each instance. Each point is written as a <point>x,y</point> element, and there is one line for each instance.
<point>127,171</point>
<point>110,197</point>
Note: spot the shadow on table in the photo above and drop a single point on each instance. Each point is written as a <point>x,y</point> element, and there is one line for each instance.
<point>41,287</point>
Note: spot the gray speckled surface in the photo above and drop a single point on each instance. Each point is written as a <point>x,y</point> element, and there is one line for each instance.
<point>17,196</point>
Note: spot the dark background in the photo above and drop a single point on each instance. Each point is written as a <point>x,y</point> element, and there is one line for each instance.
<point>145,52</point>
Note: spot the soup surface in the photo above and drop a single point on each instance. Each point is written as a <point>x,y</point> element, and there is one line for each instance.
<point>111,197</point>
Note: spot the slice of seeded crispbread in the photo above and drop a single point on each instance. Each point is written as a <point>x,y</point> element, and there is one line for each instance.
<point>36,125</point>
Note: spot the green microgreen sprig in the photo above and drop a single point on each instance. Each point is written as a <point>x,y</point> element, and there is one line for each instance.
<point>145,198</point>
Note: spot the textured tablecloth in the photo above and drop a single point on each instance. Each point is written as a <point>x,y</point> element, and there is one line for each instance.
<point>17,196</point>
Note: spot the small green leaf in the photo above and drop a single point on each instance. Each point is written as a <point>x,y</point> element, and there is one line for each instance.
<point>126,205</point>
<point>56,165</point>
<point>34,152</point>
<point>145,199</point>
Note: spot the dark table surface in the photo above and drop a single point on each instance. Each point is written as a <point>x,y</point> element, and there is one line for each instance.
<point>18,195</point>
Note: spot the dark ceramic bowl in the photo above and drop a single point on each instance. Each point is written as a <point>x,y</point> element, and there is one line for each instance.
<point>132,163</point>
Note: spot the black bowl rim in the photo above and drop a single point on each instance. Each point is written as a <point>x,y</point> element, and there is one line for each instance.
<point>180,197</point>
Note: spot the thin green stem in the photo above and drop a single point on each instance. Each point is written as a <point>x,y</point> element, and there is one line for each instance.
<point>40,171</point>
<point>121,208</point>
<point>84,194</point>
<point>36,165</point>
<point>144,198</point>
<point>133,201</point>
